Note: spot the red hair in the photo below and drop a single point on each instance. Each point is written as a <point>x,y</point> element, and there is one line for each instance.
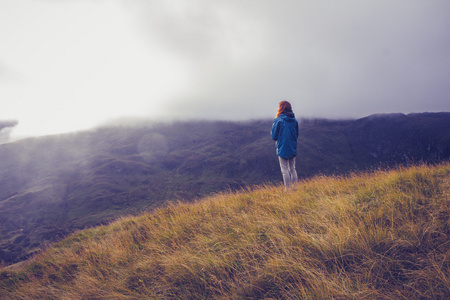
<point>283,107</point>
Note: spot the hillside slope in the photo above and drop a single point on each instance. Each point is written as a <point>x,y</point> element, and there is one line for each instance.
<point>52,186</point>
<point>378,235</point>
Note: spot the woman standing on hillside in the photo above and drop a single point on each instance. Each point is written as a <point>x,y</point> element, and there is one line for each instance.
<point>285,133</point>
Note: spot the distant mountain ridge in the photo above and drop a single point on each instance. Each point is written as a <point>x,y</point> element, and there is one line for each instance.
<point>51,186</point>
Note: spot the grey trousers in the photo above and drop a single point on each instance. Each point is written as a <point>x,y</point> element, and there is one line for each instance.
<point>288,170</point>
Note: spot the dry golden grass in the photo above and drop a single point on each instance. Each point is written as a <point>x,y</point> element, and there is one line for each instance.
<point>377,235</point>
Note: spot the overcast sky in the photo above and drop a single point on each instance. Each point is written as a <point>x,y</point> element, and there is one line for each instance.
<point>74,64</point>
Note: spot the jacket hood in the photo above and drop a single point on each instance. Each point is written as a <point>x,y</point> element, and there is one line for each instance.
<point>288,116</point>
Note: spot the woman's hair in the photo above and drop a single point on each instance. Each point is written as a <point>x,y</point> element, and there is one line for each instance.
<point>283,107</point>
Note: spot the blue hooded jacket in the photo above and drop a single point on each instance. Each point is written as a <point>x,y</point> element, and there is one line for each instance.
<point>285,133</point>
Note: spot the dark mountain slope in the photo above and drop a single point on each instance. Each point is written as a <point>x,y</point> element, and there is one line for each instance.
<point>52,186</point>
<point>330,146</point>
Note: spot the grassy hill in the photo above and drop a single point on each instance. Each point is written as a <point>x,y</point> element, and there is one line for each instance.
<point>373,235</point>
<point>52,186</point>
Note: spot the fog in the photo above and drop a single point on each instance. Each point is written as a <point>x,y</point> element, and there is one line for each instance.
<point>71,65</point>
<point>5,130</point>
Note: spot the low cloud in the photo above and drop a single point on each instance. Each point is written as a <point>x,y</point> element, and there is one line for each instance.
<point>330,58</point>
<point>5,129</point>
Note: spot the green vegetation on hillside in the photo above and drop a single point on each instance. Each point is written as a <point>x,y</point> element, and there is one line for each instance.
<point>374,235</point>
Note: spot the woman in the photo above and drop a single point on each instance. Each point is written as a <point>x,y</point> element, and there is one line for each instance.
<point>285,133</point>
